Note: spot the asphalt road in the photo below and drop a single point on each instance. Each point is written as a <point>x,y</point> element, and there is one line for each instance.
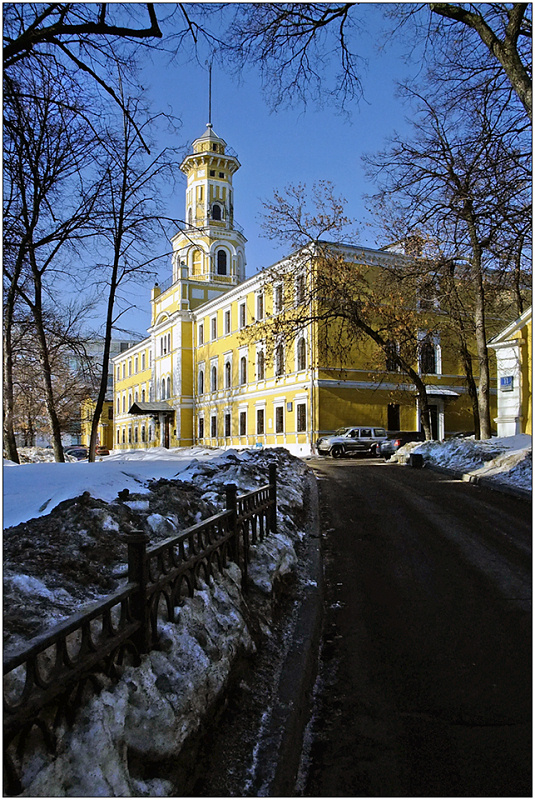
<point>424,685</point>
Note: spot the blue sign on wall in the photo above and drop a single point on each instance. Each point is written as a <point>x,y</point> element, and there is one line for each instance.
<point>506,383</point>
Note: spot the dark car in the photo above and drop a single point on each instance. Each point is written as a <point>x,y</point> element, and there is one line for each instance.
<point>100,450</point>
<point>79,452</point>
<point>397,439</point>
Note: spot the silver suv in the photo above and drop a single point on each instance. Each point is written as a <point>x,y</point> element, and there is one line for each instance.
<point>346,441</point>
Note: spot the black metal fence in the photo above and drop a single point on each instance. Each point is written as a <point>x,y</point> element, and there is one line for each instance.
<point>44,683</point>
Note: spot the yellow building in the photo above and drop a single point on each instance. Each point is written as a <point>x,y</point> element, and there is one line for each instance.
<point>204,374</point>
<point>513,348</point>
<point>105,427</point>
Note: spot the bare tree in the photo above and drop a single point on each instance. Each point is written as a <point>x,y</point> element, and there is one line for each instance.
<point>464,176</point>
<point>48,208</point>
<point>130,218</point>
<point>331,286</point>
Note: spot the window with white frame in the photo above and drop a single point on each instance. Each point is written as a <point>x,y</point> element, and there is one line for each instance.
<point>201,333</point>
<point>260,305</point>
<point>227,424</point>
<point>260,420</point>
<point>279,360</point>
<point>428,356</point>
<point>227,321</point>
<point>243,423</point>
<point>278,298</point>
<point>300,286</point>
<point>213,328</point>
<point>242,316</point>
<point>260,365</point>
<point>243,370</point>
<point>136,365</point>
<point>301,412</point>
<point>228,375</point>
<point>279,419</point>
<point>168,387</point>
<point>213,426</point>
<point>201,427</point>
<point>142,361</point>
<point>213,378</point>
<point>301,354</point>
<point>200,383</point>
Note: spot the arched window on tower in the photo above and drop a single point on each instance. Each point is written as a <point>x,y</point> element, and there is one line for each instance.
<point>216,212</point>
<point>168,388</point>
<point>190,216</point>
<point>196,265</point>
<point>221,262</point>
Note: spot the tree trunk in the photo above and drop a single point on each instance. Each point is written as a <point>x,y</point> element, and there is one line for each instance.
<point>480,335</point>
<point>44,361</point>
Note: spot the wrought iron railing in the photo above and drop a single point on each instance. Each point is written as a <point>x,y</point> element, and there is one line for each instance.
<point>44,682</point>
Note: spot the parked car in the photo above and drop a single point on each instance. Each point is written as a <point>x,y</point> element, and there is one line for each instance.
<point>351,440</point>
<point>397,439</point>
<point>100,450</point>
<point>79,452</point>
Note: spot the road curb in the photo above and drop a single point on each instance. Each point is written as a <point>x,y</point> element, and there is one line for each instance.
<point>291,709</point>
<point>485,483</point>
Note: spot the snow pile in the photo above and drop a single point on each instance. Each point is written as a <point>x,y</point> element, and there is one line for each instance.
<point>504,460</point>
<point>57,562</point>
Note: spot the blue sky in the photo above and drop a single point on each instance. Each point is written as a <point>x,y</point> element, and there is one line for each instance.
<point>284,147</point>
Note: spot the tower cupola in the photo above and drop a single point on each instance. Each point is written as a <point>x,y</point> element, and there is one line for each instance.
<point>211,245</point>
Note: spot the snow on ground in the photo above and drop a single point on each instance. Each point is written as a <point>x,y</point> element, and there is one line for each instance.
<point>505,460</point>
<point>62,549</point>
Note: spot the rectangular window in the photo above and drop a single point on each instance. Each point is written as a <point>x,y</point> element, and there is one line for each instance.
<point>260,420</point>
<point>279,419</point>
<point>243,423</point>
<point>242,318</point>
<point>227,322</point>
<point>201,333</point>
<point>213,426</point>
<point>213,323</point>
<point>227,424</point>
<point>201,427</point>
<point>300,289</point>
<point>142,361</point>
<point>301,417</point>
<point>136,365</point>
<point>260,306</point>
<point>277,299</point>
<point>110,412</point>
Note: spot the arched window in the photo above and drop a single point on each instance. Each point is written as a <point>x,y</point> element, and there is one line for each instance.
<point>213,382</point>
<point>163,389</point>
<point>142,433</point>
<point>143,395</point>
<point>301,354</point>
<point>260,366</point>
<point>190,216</point>
<point>227,375</point>
<point>428,360</point>
<point>168,388</point>
<point>221,262</point>
<point>279,360</point>
<point>201,381</point>
<point>216,212</point>
<point>243,369</point>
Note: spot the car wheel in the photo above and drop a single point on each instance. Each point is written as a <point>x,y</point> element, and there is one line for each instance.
<point>337,452</point>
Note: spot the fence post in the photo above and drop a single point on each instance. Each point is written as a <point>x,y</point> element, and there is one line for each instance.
<point>138,573</point>
<point>232,505</point>
<point>273,497</point>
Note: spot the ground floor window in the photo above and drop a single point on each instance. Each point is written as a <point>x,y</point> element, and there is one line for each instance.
<point>201,427</point>
<point>392,417</point>
<point>213,426</point>
<point>143,433</point>
<point>301,417</point>
<point>227,424</point>
<point>243,423</point>
<point>118,437</point>
<point>279,419</point>
<point>260,420</point>
<point>136,434</point>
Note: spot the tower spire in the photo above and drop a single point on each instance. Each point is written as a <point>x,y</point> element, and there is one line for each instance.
<point>210,94</point>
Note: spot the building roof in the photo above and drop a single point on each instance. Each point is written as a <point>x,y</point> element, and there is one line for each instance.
<point>156,407</point>
<point>512,328</point>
